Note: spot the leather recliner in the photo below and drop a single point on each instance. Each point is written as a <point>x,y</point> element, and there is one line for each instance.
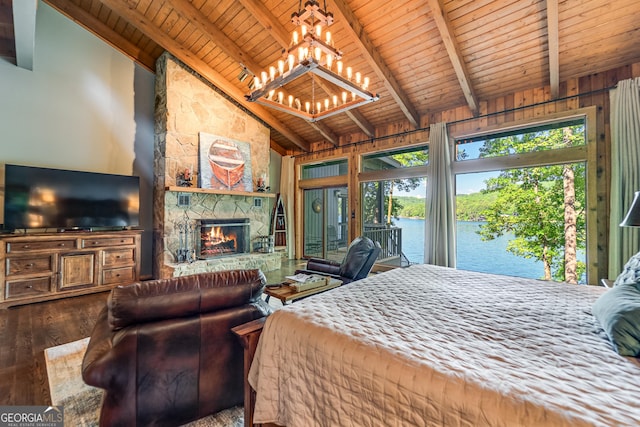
<point>357,263</point>
<point>164,352</point>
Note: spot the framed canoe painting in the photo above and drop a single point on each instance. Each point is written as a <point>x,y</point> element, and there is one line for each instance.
<point>225,163</point>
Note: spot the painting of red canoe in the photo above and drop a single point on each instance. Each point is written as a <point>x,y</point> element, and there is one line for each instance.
<point>224,163</point>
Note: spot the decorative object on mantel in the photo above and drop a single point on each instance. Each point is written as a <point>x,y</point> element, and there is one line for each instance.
<point>261,184</point>
<point>184,178</point>
<point>225,164</point>
<point>309,52</point>
<point>187,235</point>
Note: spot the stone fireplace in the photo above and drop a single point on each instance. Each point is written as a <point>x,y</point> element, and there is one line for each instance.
<point>186,108</point>
<point>223,237</point>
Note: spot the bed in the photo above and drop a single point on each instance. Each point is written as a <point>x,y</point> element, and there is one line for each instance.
<point>428,345</point>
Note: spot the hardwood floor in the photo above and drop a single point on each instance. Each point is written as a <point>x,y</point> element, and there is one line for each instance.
<point>27,330</point>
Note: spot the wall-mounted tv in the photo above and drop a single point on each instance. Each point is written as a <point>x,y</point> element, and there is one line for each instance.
<point>37,198</point>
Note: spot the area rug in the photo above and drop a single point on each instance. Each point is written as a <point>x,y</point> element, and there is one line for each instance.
<point>82,402</point>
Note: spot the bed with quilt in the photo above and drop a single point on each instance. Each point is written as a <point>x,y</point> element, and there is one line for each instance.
<point>434,346</point>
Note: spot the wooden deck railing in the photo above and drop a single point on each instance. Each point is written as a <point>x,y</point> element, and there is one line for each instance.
<point>390,239</point>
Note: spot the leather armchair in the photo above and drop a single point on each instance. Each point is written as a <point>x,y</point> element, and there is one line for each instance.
<point>357,263</point>
<point>164,351</point>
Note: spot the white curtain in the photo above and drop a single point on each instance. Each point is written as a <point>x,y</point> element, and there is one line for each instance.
<point>287,191</point>
<point>625,171</point>
<point>439,241</point>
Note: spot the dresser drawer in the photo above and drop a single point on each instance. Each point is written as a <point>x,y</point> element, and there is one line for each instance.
<point>36,264</point>
<point>36,245</point>
<point>116,257</point>
<point>118,275</point>
<point>28,287</point>
<point>102,242</point>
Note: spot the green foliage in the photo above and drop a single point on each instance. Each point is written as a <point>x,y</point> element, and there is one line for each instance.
<point>530,202</point>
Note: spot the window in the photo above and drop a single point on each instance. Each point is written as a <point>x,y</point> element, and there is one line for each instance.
<point>521,200</point>
<point>325,169</point>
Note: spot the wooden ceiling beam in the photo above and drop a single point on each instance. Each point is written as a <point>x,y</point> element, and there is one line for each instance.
<point>326,132</point>
<point>356,32</point>
<point>278,32</point>
<point>554,49</point>
<point>103,32</point>
<point>446,34</point>
<point>186,9</point>
<point>128,12</point>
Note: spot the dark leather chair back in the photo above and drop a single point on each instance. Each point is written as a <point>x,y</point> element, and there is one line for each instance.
<point>361,255</point>
<point>164,352</point>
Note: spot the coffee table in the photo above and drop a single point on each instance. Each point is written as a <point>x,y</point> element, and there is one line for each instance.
<point>286,293</point>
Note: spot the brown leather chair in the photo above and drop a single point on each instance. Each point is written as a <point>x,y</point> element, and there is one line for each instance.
<point>164,352</point>
<point>357,263</point>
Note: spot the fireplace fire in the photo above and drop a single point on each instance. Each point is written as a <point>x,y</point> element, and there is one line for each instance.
<point>223,237</point>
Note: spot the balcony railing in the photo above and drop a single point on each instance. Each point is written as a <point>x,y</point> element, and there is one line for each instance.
<point>390,239</point>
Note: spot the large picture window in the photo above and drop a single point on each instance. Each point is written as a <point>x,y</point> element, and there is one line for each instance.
<point>522,200</point>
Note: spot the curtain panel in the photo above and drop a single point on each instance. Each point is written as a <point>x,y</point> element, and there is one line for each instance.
<point>625,171</point>
<point>440,226</point>
<point>287,191</point>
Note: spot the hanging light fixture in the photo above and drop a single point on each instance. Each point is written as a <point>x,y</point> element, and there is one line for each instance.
<point>311,51</point>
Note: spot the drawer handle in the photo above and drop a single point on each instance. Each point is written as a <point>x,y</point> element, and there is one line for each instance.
<point>30,265</point>
<point>29,286</point>
<point>26,246</point>
<point>61,245</point>
<point>118,256</point>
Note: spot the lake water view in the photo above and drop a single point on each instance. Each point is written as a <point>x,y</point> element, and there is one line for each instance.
<point>472,253</point>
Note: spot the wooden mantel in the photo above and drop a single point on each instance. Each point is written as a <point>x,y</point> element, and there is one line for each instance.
<point>222,192</point>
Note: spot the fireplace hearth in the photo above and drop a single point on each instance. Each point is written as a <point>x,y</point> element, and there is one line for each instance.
<point>223,237</point>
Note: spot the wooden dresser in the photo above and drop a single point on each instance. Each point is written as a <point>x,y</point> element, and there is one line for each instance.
<point>41,267</point>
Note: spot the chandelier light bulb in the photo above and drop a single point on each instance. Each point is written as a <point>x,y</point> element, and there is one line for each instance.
<point>256,82</point>
<point>295,38</point>
<point>265,77</point>
<point>328,36</point>
<point>297,102</point>
<point>290,98</point>
<point>349,73</point>
<point>358,77</point>
<point>318,30</point>
<point>335,101</point>
<point>339,66</point>
<point>365,85</point>
<point>280,97</point>
<point>301,54</point>
<point>272,73</point>
<point>303,30</point>
<point>280,67</point>
<point>271,93</point>
<point>353,96</point>
<point>307,106</point>
<point>329,61</point>
<point>318,54</point>
<point>319,107</point>
<point>344,97</point>
<point>292,60</point>
<point>326,104</point>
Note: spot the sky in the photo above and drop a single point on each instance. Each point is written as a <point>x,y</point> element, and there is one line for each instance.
<point>465,184</point>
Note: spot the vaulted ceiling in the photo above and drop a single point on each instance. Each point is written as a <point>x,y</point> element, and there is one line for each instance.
<point>421,56</point>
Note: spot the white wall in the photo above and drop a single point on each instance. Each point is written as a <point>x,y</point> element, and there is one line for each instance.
<point>75,110</point>
<point>85,106</point>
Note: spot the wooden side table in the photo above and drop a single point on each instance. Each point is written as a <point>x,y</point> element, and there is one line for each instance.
<point>286,293</point>
<point>249,333</point>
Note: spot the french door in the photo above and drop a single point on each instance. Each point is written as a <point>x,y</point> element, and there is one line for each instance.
<point>325,223</point>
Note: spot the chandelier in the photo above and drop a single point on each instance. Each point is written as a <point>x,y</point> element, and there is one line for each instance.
<point>310,52</point>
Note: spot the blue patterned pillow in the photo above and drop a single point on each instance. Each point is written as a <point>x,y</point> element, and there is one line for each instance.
<point>630,272</point>
<point>618,311</point>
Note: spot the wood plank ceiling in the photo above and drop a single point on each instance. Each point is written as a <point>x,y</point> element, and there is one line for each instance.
<point>421,56</point>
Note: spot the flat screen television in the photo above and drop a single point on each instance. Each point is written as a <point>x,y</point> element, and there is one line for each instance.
<point>36,198</point>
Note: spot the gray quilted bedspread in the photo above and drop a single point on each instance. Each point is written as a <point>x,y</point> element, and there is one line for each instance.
<point>432,346</point>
